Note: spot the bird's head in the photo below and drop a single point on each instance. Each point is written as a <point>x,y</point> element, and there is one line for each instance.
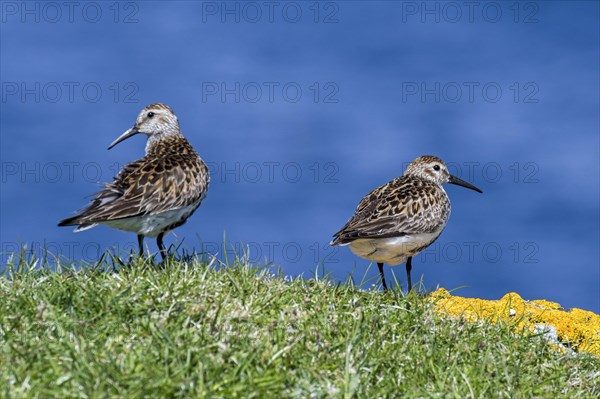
<point>433,169</point>
<point>155,121</point>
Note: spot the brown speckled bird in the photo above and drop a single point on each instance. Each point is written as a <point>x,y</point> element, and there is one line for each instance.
<point>398,220</point>
<point>156,193</point>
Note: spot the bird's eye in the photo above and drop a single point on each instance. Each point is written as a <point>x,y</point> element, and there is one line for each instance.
<point>436,167</point>
<point>150,114</point>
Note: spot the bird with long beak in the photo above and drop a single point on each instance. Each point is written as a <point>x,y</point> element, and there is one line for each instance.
<point>399,219</point>
<point>156,193</point>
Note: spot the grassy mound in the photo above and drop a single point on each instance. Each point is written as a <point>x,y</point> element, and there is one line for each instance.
<point>191,329</point>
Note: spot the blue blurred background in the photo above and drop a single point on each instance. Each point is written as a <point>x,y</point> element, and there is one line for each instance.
<point>300,109</point>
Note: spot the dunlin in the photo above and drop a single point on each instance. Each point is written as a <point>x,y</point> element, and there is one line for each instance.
<point>398,220</point>
<point>156,193</point>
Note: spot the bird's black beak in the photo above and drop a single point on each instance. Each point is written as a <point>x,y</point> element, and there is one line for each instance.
<point>459,182</point>
<point>131,132</point>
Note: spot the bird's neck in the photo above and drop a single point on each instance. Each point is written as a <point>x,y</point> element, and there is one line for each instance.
<point>167,143</point>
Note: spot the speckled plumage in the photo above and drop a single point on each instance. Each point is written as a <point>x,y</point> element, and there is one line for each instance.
<point>399,219</point>
<point>156,193</point>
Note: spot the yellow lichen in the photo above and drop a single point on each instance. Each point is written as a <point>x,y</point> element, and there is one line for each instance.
<point>577,328</point>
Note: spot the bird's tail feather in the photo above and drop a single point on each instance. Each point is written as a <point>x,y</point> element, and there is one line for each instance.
<point>76,221</point>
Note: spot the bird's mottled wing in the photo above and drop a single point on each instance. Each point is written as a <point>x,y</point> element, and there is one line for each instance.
<point>397,208</point>
<point>149,186</point>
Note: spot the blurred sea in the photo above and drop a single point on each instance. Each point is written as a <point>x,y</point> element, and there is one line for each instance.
<point>300,109</point>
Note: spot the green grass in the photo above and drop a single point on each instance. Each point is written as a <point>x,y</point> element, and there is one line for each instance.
<point>190,329</point>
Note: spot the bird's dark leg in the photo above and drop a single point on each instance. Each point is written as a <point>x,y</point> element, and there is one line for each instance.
<point>141,244</point>
<point>408,269</point>
<point>161,246</point>
<point>380,266</point>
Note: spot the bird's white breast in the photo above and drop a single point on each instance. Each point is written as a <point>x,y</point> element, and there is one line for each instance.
<point>154,224</point>
<point>395,250</point>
